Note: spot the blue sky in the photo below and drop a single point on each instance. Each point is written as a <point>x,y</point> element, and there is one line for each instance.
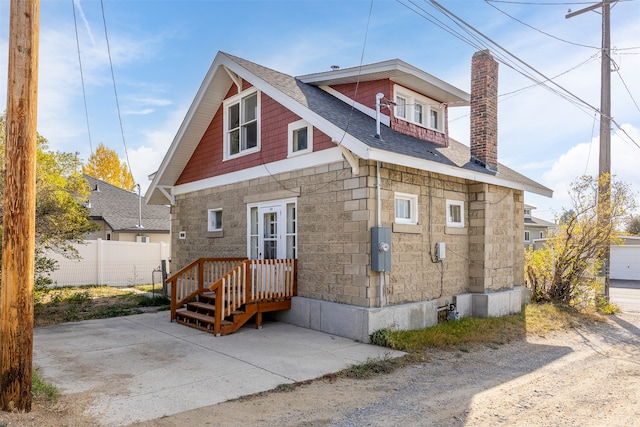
<point>162,49</point>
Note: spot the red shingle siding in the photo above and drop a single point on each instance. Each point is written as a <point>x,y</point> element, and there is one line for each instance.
<point>366,95</point>
<point>206,160</point>
<point>367,92</point>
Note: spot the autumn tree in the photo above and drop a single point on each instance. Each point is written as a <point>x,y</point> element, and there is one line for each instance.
<point>633,226</point>
<point>565,269</point>
<point>61,192</point>
<point>105,165</point>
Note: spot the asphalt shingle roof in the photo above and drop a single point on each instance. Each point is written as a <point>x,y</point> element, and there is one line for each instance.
<point>363,127</point>
<point>120,208</point>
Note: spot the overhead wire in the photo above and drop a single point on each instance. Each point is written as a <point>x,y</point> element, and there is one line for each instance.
<point>504,56</point>
<point>84,93</point>
<point>115,91</point>
<point>489,2</point>
<point>346,129</point>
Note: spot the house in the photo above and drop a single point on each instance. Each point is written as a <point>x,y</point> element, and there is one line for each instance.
<point>121,215</point>
<point>352,173</point>
<point>535,228</point>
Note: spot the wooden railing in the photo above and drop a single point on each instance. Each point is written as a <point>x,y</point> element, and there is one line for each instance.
<point>194,278</point>
<point>245,281</point>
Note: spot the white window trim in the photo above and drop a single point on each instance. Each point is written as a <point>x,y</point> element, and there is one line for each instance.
<point>231,101</point>
<point>542,235</point>
<point>295,126</point>
<point>450,222</point>
<point>282,223</point>
<point>428,105</point>
<point>413,208</point>
<point>210,212</point>
<point>527,236</point>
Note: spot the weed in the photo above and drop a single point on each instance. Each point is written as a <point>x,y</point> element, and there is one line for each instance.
<point>285,388</point>
<point>605,307</point>
<point>372,367</point>
<point>40,388</point>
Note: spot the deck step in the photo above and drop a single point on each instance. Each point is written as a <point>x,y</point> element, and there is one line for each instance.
<point>187,314</point>
<point>201,306</point>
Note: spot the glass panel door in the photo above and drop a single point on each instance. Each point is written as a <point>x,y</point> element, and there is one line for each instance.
<point>270,235</point>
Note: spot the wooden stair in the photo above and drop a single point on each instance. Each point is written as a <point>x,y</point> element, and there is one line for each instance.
<point>200,313</point>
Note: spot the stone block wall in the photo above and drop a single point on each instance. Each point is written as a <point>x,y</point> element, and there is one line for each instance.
<point>336,211</point>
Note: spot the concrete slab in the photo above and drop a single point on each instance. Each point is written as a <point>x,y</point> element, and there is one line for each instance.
<point>142,367</point>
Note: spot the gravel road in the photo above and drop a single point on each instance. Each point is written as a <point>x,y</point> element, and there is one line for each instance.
<point>581,377</point>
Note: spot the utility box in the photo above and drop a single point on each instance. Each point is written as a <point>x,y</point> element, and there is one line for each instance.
<point>381,249</point>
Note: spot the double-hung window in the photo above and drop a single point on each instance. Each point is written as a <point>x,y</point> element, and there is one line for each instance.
<point>418,109</point>
<point>242,130</point>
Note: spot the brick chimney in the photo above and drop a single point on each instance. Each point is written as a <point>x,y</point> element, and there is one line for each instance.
<point>484,110</point>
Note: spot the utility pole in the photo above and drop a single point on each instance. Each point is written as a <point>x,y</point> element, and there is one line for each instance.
<point>604,166</point>
<point>18,235</point>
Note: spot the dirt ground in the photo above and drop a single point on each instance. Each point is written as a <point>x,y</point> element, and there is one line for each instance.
<point>586,377</point>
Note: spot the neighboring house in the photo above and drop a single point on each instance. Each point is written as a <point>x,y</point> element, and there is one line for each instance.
<point>121,216</point>
<point>390,220</point>
<point>535,228</point>
<point>625,259</point>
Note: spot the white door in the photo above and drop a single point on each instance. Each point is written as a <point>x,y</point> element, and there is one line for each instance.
<point>270,233</point>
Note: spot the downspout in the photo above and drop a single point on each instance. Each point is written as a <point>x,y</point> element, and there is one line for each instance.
<point>379,219</point>
<point>379,97</point>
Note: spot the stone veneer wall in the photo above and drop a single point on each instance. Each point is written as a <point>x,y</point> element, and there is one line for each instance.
<point>336,211</point>
<point>414,275</point>
<point>497,236</point>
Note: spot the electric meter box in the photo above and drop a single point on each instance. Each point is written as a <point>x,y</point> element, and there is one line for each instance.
<point>380,249</point>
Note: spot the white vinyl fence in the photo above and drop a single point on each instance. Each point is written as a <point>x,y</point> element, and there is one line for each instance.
<point>108,262</point>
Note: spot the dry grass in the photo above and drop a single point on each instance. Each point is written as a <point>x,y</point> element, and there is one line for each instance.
<point>69,304</point>
<point>535,319</point>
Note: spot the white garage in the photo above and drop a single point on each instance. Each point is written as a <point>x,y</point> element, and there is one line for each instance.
<point>625,260</point>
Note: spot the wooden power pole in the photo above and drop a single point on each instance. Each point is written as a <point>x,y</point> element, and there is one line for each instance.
<point>19,207</point>
<point>604,165</point>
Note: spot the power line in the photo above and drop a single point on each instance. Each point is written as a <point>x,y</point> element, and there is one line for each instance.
<point>489,2</point>
<point>115,91</point>
<point>479,40</point>
<point>84,94</point>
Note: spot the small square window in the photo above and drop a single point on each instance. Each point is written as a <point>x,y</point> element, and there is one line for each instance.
<point>406,207</point>
<point>215,220</point>
<point>300,137</point>
<point>455,213</point>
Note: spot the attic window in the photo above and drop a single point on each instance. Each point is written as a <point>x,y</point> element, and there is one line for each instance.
<point>241,124</point>
<point>418,109</point>
<point>300,138</point>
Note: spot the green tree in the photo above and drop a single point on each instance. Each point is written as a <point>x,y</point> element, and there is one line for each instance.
<point>633,225</point>
<point>61,216</point>
<point>105,164</point>
<point>565,270</point>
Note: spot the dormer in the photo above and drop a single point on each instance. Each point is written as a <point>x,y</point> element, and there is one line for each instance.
<point>414,103</point>
<point>527,211</point>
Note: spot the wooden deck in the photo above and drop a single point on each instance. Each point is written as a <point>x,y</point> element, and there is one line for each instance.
<point>219,295</point>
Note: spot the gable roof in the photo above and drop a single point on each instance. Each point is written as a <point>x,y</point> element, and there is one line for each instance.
<point>120,209</point>
<point>346,126</point>
<point>538,222</point>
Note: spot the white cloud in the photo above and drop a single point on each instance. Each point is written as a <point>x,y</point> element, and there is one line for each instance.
<point>583,159</point>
